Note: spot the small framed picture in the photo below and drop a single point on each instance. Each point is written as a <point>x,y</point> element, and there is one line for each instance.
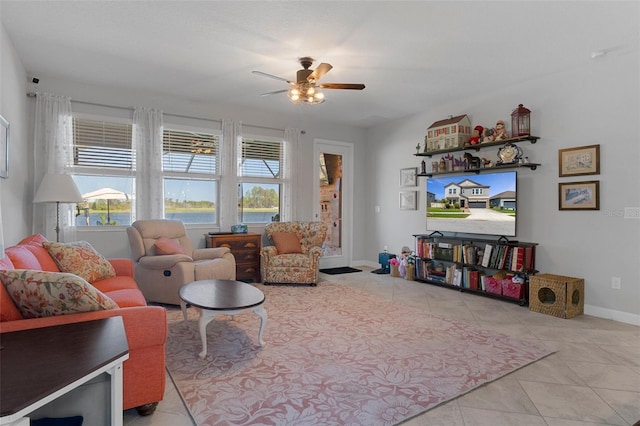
<point>579,195</point>
<point>409,177</point>
<point>408,200</point>
<point>4,148</point>
<point>579,161</point>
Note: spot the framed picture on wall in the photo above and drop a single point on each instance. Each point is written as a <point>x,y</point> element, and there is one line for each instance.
<point>408,200</point>
<point>409,177</point>
<point>4,148</point>
<point>579,161</point>
<point>579,195</point>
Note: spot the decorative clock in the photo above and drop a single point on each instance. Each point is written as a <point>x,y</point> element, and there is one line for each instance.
<point>509,154</point>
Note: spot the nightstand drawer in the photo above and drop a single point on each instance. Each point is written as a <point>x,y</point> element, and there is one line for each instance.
<point>247,242</point>
<point>246,250</point>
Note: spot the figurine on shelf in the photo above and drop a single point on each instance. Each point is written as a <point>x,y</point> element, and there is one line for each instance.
<point>501,132</point>
<point>486,162</point>
<point>488,135</point>
<point>418,148</point>
<point>476,134</point>
<point>423,167</point>
<point>443,165</point>
<point>472,162</point>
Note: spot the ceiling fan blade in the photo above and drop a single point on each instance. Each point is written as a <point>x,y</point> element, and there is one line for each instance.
<point>274,92</point>
<point>320,70</point>
<point>275,77</point>
<point>342,86</point>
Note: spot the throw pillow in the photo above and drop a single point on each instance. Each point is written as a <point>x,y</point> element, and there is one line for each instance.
<point>286,242</point>
<point>44,294</point>
<point>80,258</point>
<point>166,246</point>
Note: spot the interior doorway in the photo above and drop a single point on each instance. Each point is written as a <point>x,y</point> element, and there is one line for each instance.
<point>334,200</point>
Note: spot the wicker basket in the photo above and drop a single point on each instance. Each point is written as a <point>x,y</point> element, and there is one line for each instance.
<point>556,295</point>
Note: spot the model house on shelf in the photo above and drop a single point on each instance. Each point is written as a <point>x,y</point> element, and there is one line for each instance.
<point>452,132</point>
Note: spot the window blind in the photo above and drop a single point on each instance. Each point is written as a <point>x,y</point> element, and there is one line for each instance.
<point>261,158</point>
<point>102,144</point>
<point>190,152</point>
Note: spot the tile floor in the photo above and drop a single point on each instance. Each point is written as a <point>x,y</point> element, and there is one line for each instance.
<point>593,379</point>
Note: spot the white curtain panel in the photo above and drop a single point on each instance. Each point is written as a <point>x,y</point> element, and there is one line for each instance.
<point>229,156</point>
<point>292,142</point>
<point>53,153</point>
<point>147,148</point>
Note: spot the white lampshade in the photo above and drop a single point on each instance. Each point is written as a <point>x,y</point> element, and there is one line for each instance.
<point>57,188</point>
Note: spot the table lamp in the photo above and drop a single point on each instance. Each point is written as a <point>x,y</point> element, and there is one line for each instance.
<point>57,188</point>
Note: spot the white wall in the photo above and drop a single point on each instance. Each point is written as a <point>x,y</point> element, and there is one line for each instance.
<point>15,195</point>
<point>597,102</point>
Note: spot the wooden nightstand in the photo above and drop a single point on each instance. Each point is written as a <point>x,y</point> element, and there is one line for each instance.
<point>245,248</point>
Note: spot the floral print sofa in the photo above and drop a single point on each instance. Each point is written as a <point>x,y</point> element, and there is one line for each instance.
<point>293,254</point>
<point>30,264</point>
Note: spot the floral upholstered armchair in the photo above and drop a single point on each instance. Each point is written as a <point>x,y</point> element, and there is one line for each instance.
<point>293,254</point>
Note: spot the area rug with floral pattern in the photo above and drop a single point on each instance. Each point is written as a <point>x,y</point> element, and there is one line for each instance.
<point>333,356</point>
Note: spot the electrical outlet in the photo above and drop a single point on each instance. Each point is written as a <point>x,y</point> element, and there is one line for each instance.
<point>616,283</point>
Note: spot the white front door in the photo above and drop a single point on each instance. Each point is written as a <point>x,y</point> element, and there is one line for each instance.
<point>333,195</point>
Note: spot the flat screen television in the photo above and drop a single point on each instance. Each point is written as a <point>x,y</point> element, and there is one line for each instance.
<point>484,203</point>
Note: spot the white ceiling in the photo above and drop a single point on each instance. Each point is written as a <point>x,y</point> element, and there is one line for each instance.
<point>410,55</point>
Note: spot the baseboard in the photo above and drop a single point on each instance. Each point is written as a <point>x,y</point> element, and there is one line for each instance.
<point>356,263</point>
<point>611,314</point>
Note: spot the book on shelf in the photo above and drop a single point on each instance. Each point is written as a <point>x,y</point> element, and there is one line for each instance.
<point>486,258</point>
<point>505,256</point>
<point>529,255</point>
<point>457,277</point>
<point>441,253</point>
<point>518,265</point>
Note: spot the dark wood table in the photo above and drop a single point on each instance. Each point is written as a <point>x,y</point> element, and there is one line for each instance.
<point>213,297</point>
<point>42,364</point>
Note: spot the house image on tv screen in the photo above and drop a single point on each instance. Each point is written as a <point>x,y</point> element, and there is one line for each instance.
<point>505,200</point>
<point>473,195</point>
<point>468,194</point>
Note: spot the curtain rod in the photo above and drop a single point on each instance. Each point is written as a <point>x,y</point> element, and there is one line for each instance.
<point>33,95</point>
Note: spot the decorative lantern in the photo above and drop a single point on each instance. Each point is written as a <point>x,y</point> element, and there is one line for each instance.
<point>520,122</point>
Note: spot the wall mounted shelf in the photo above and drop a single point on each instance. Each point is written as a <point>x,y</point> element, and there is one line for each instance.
<point>531,166</point>
<point>478,147</point>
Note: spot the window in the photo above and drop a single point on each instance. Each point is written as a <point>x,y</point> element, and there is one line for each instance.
<point>102,165</point>
<point>190,163</point>
<point>260,180</point>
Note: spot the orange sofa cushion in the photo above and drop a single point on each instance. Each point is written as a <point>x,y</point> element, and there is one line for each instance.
<point>22,258</point>
<point>33,239</point>
<point>287,242</point>
<point>8,309</point>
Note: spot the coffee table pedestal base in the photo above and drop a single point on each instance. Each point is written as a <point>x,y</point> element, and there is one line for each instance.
<point>207,315</point>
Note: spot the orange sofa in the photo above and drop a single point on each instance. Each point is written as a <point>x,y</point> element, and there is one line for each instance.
<point>145,326</point>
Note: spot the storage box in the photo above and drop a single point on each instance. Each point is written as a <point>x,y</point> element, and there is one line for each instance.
<point>394,271</point>
<point>493,285</point>
<point>512,290</point>
<point>556,295</point>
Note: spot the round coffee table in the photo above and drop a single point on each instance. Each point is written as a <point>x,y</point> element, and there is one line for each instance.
<point>213,297</point>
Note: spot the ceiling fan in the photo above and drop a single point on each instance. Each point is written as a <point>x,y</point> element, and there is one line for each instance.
<point>305,89</point>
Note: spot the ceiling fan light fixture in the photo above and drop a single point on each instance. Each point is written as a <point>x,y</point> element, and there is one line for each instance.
<point>304,89</point>
<point>306,93</point>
